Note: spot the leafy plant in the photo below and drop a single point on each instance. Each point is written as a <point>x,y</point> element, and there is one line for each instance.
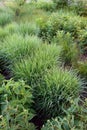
<point>17,47</point>
<point>14,48</point>
<point>12,28</point>
<point>27,29</point>
<point>17,5</point>
<point>76,120</point>
<point>32,69</point>
<point>82,36</point>
<point>68,22</point>
<point>3,33</point>
<point>69,53</point>
<point>6,16</point>
<point>81,67</point>
<point>48,6</point>
<point>80,6</point>
<point>23,28</point>
<point>61,3</point>
<point>54,93</point>
<point>20,2</point>
<point>15,101</point>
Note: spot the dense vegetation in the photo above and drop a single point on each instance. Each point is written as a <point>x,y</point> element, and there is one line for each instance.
<point>43,65</point>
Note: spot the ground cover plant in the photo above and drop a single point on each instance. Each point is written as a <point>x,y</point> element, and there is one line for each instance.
<point>34,67</point>
<point>69,52</point>
<point>43,65</point>
<point>80,7</point>
<point>69,23</point>
<point>21,46</point>
<point>55,92</point>
<point>3,33</point>
<point>61,3</point>
<point>48,6</point>
<point>23,28</point>
<point>6,16</point>
<point>75,118</point>
<point>15,102</point>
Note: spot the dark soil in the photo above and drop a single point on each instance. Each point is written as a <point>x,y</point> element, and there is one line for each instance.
<point>37,122</point>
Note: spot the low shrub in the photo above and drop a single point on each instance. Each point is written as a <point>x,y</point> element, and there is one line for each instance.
<point>82,69</point>
<point>47,6</point>
<point>28,28</point>
<point>6,16</point>
<point>69,22</point>
<point>3,33</point>
<point>75,119</point>
<point>15,5</point>
<point>11,28</point>
<point>14,48</point>
<point>69,53</point>
<point>17,47</point>
<point>23,28</point>
<point>55,92</point>
<point>80,6</point>
<point>82,40</point>
<point>32,69</point>
<point>20,2</point>
<point>60,3</point>
<point>15,101</point>
<point>29,13</point>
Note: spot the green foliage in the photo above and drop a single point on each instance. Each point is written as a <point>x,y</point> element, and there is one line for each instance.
<point>55,92</point>
<point>15,101</point>
<point>80,6</point>
<point>82,68</point>
<point>28,28</point>
<point>6,16</point>
<point>3,33</point>
<point>69,22</point>
<point>23,56</point>
<point>82,40</point>
<point>16,6</point>
<point>29,13</point>
<point>1,79</point>
<point>47,6</point>
<point>20,2</point>
<point>69,53</point>
<point>17,46</point>
<point>32,68</point>
<point>61,3</point>
<point>23,28</point>
<point>75,119</point>
<point>11,28</point>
